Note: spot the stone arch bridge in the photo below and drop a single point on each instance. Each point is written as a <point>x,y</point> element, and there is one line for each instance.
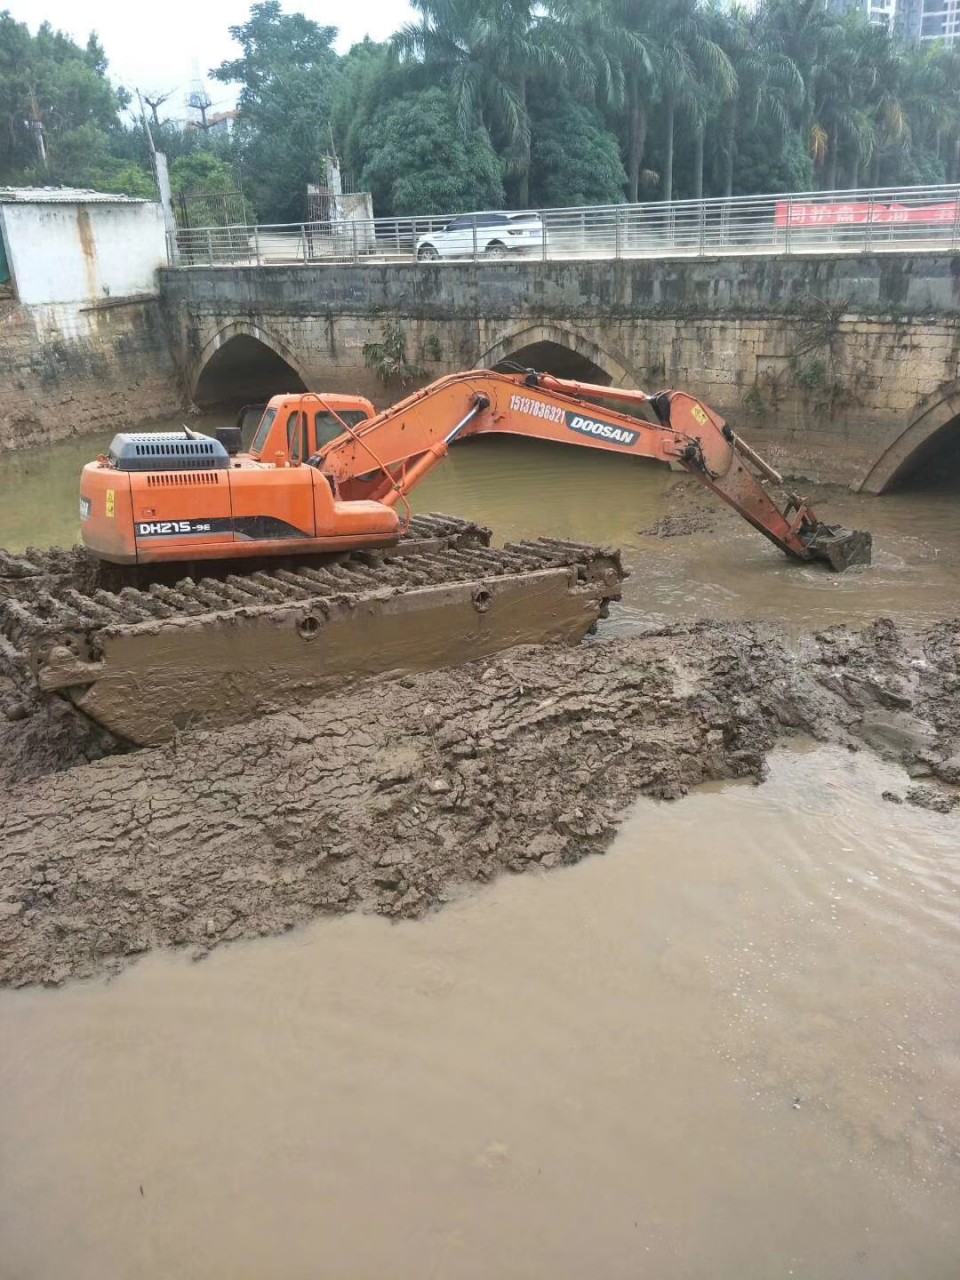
<point>840,369</point>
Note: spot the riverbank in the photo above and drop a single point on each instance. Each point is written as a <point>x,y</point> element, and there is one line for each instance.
<point>74,370</point>
<point>392,798</point>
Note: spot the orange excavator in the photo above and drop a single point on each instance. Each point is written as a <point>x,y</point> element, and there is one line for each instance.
<point>215,585</point>
<point>326,474</point>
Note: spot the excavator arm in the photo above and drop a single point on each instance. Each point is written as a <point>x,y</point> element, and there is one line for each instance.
<point>386,456</point>
<point>221,585</point>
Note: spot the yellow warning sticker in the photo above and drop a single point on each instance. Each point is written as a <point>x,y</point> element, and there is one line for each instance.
<point>111,501</point>
<point>699,415</point>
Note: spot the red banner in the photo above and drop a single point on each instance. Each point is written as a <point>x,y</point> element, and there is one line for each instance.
<point>812,214</point>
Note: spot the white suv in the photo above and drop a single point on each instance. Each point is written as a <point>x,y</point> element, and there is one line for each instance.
<point>492,234</point>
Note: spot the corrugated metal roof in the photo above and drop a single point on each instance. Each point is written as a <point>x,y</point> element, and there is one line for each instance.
<point>62,195</point>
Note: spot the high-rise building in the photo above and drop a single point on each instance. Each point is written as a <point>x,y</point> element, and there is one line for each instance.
<point>881,13</point>
<point>920,20</point>
<point>929,20</point>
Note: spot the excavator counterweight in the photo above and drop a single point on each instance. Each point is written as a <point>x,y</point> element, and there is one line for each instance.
<point>216,585</point>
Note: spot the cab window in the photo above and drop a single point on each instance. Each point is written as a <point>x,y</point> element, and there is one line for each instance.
<point>328,428</point>
<point>260,439</point>
<point>296,436</point>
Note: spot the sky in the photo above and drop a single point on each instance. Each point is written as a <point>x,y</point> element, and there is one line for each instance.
<point>163,47</point>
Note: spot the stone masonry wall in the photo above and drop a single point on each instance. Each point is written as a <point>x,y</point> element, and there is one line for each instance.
<point>824,362</point>
<point>79,368</point>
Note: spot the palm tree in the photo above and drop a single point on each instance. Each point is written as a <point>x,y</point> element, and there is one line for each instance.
<point>628,39</point>
<point>887,105</point>
<point>951,110</point>
<point>769,84</point>
<point>928,91</point>
<point>804,31</point>
<point>694,70</point>
<point>846,77</point>
<point>488,49</point>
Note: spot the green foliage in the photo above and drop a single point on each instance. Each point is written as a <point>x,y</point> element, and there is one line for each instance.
<point>485,51</point>
<point>432,349</point>
<point>201,172</point>
<point>58,111</point>
<point>921,166</point>
<point>480,103</point>
<point>287,71</point>
<point>368,79</point>
<point>388,357</point>
<point>417,161</point>
<point>574,159</point>
<point>768,161</point>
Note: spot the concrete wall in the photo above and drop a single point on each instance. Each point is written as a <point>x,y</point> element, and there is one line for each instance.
<point>73,369</point>
<point>66,252</point>
<point>825,363</point>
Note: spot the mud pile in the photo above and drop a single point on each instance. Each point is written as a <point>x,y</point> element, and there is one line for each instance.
<point>692,509</point>
<point>393,797</point>
<point>894,691</point>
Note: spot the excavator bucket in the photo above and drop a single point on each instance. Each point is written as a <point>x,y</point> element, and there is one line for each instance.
<point>841,548</point>
<point>144,663</point>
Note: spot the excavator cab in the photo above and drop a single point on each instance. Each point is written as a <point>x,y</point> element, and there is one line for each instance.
<point>297,426</point>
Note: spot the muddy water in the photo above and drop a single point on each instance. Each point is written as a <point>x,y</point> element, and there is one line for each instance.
<point>40,487</point>
<point>524,489</point>
<point>727,1049</point>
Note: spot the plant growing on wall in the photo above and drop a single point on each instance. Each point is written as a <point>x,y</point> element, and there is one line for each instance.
<point>431,349</point>
<point>388,357</point>
<point>817,366</point>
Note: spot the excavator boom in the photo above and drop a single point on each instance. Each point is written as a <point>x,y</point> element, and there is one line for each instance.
<point>385,457</point>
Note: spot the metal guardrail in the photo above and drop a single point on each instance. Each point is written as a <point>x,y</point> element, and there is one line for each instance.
<point>896,218</point>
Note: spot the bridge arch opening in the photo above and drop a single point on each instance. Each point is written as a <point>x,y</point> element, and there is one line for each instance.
<point>926,454</point>
<point>244,370</point>
<point>934,463</point>
<point>547,356</point>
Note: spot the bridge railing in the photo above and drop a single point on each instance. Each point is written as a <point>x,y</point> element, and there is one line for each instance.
<point>867,220</point>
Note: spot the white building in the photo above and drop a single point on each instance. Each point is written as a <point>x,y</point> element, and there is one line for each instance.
<point>929,20</point>
<point>920,20</point>
<point>67,245</point>
<point>881,13</point>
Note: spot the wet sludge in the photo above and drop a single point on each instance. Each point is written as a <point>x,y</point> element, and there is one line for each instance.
<point>395,795</point>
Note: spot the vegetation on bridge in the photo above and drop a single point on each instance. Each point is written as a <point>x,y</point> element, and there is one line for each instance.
<point>486,103</point>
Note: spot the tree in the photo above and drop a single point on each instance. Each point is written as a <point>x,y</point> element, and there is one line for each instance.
<point>845,79</point>
<point>915,107</point>
<point>368,79</point>
<point>769,95</point>
<point>488,50</point>
<point>58,111</point>
<point>694,69</point>
<point>155,101</point>
<point>629,43</point>
<point>287,71</point>
<point>417,161</point>
<point>769,160</point>
<point>819,45</point>
<point>575,160</point>
<point>478,102</point>
<point>201,172</point>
